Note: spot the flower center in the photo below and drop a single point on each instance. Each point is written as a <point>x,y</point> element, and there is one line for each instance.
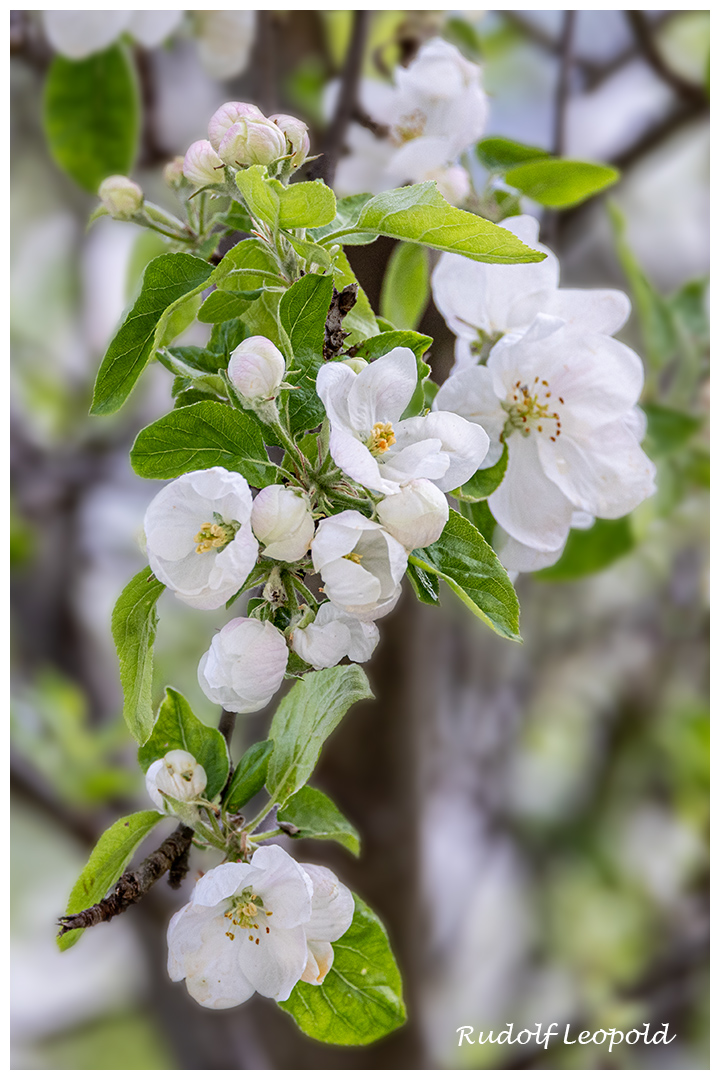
<point>244,911</point>
<point>354,557</point>
<point>409,127</point>
<point>382,437</point>
<point>532,409</point>
<point>483,344</point>
<point>215,535</point>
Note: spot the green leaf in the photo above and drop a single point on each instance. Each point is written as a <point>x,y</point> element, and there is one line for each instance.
<point>236,218</point>
<point>134,622</point>
<point>311,253</point>
<point>199,437</point>
<point>249,775</point>
<point>668,429</point>
<point>318,818</point>
<point>262,318</point>
<point>306,204</point>
<point>303,312</point>
<point>348,212</point>
<point>225,338</point>
<point>406,286</point>
<point>262,196</point>
<point>382,344</point>
<point>480,516</point>
<point>222,306</point>
<point>484,482</point>
<point>559,183</point>
<point>304,720</point>
<point>249,265</point>
<point>360,999</point>
<point>360,321</point>
<point>177,728</point>
<point>461,33</point>
<point>92,116</point>
<point>168,280</point>
<point>591,550</point>
<point>474,573</point>
<point>425,586</point>
<point>498,155</point>
<point>420,213</point>
<point>109,857</point>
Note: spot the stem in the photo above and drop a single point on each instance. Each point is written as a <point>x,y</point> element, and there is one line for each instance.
<point>304,591</point>
<point>259,818</point>
<point>347,100</point>
<point>264,835</point>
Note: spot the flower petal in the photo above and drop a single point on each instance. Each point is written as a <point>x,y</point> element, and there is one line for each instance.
<point>284,885</point>
<point>465,444</point>
<point>333,905</point>
<point>319,961</point>
<point>355,459</point>
<point>528,505</point>
<point>274,962</point>
<point>382,390</point>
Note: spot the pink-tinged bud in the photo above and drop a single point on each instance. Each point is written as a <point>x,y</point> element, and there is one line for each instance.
<point>296,133</point>
<point>121,197</point>
<point>227,115</point>
<point>282,522</point>
<point>252,142</point>
<point>173,172</point>
<point>202,165</point>
<point>256,369</point>
<point>416,516</point>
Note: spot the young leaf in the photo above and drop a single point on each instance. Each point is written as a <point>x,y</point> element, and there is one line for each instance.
<point>590,550</point>
<point>360,999</point>
<point>92,116</point>
<point>406,286</point>
<point>310,252</point>
<point>484,482</point>
<point>134,622</point>
<point>248,265</point>
<point>318,818</point>
<point>199,437</point>
<point>420,213</point>
<point>557,183</point>
<point>304,720</point>
<point>168,280</point>
<point>303,311</point>
<point>381,344</point>
<point>177,728</point>
<point>306,204</point>
<point>668,429</point>
<point>109,857</point>
<point>474,573</point>
<point>222,306</point>
<point>498,155</point>
<point>261,195</point>
<point>348,212</point>
<point>249,775</point>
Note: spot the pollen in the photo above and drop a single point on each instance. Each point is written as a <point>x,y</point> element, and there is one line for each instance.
<point>382,437</point>
<point>531,410</point>
<point>213,536</point>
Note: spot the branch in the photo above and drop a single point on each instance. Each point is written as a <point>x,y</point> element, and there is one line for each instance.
<point>170,856</point>
<point>644,36</point>
<point>563,84</point>
<point>342,302</point>
<point>661,131</point>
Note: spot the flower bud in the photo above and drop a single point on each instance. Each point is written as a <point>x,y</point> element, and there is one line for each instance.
<point>173,172</point>
<point>227,115</point>
<point>296,133</point>
<point>202,165</point>
<point>417,515</point>
<point>244,665</point>
<point>121,197</point>
<point>177,775</point>
<point>252,141</point>
<point>256,369</point>
<point>281,520</point>
<point>355,363</point>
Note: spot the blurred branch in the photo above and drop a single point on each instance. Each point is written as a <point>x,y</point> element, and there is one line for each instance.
<point>266,53</point>
<point>27,41</point>
<point>644,32</point>
<point>661,131</point>
<point>334,139</point>
<point>563,84</point>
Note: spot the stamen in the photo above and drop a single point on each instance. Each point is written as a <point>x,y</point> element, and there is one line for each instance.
<point>354,557</point>
<point>382,437</point>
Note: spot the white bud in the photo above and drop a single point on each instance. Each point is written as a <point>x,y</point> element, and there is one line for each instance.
<point>332,635</point>
<point>173,172</point>
<point>244,665</point>
<point>252,141</point>
<point>281,520</point>
<point>202,165</point>
<point>296,133</point>
<point>256,369</point>
<point>227,115</point>
<point>121,197</point>
<point>417,515</point>
<point>178,775</point>
<point>355,363</point>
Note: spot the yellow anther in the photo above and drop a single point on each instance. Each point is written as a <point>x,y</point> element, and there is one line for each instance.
<point>352,557</point>
<point>213,536</point>
<point>382,437</point>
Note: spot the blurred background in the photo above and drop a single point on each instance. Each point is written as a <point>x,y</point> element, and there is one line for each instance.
<point>534,818</point>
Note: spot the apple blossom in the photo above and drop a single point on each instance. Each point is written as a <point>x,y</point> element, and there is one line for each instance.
<point>370,442</point>
<point>360,563</point>
<point>416,515</point>
<point>121,197</point>
<point>228,114</point>
<point>252,140</point>
<point>282,522</point>
<point>256,369</point>
<point>480,302</point>
<point>244,665</point>
<point>202,165</point>
<point>225,40</point>
<point>78,34</point>
<point>178,775</point>
<point>333,635</point>
<point>198,535</point>
<point>563,399</point>
<point>333,908</point>
<point>296,133</point>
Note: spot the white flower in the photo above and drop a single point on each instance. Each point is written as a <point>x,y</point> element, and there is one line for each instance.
<point>480,302</point>
<point>257,927</point>
<point>225,40</point>
<point>228,114</point>
<point>244,665</point>
<point>518,558</point>
<point>296,133</point>
<point>360,563</point>
<point>370,442</point>
<point>416,516</point>
<point>178,775</point>
<point>78,34</point>
<point>202,165</point>
<point>199,540</point>
<point>333,635</point>
<point>256,368</point>
<point>121,197</point>
<point>453,183</point>
<point>252,140</point>
<point>563,399</point>
<point>282,522</point>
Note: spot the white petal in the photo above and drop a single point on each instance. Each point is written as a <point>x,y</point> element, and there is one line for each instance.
<point>465,444</point>
<point>382,391</point>
<point>519,558</point>
<point>595,311</point>
<point>284,885</point>
<point>527,504</point>
<point>319,961</point>
<point>333,384</point>
<point>151,28</point>
<point>333,906</point>
<point>471,393</point>
<point>350,585</point>
<point>274,962</point>
<point>322,646</point>
<point>77,34</point>
<point>354,458</point>
<point>337,536</point>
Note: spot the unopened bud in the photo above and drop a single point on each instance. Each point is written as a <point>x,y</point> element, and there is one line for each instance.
<point>173,172</point>
<point>282,522</point>
<point>256,369</point>
<point>227,115</point>
<point>296,133</point>
<point>416,516</point>
<point>202,165</point>
<point>121,197</point>
<point>252,141</point>
<point>177,775</point>
<point>355,363</point>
